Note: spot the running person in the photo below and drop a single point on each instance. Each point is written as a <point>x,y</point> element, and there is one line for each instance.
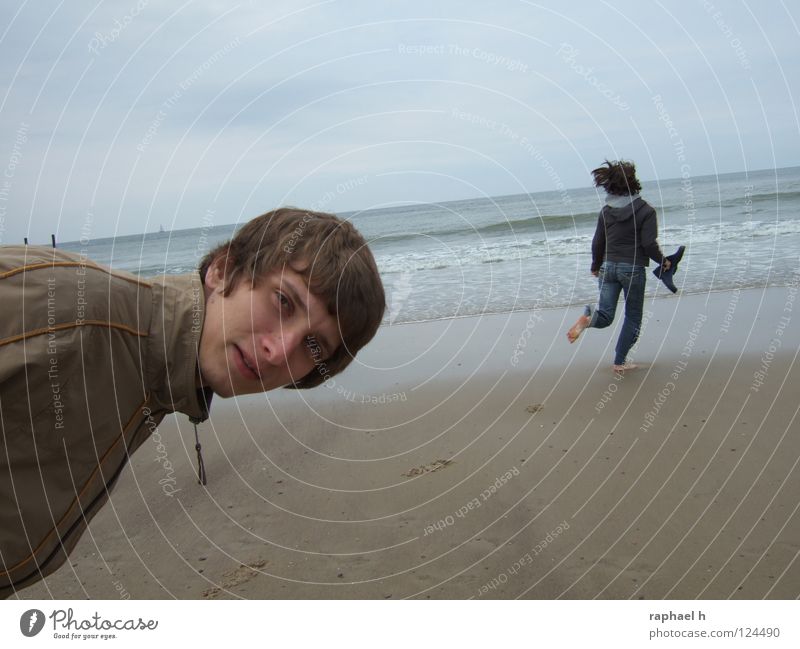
<point>624,242</point>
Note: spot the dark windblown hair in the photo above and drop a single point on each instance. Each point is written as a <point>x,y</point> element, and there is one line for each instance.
<point>617,178</point>
<point>332,257</point>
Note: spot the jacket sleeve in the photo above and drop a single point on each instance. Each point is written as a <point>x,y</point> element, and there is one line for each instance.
<point>649,237</point>
<point>599,244</point>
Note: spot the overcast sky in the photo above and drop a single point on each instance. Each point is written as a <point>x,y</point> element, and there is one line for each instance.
<point>119,117</point>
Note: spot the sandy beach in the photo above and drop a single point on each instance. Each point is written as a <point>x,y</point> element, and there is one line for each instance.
<point>484,457</point>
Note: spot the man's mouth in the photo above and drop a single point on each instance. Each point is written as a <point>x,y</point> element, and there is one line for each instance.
<point>247,368</point>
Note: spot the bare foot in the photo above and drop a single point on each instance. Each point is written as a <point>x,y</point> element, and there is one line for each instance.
<point>577,329</point>
<point>627,367</point>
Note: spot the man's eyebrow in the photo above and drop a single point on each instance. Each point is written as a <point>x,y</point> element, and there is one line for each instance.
<point>297,297</point>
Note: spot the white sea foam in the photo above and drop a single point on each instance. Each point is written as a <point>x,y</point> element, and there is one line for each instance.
<point>495,254</point>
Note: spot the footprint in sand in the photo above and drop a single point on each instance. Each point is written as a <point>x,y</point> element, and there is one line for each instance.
<point>235,577</point>
<point>427,468</point>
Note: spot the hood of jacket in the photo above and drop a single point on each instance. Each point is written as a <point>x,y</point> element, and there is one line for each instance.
<point>619,209</point>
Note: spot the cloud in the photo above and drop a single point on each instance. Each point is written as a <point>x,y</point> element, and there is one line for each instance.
<point>178,106</point>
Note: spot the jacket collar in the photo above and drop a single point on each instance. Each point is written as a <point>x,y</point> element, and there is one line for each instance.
<point>615,201</point>
<point>177,322</point>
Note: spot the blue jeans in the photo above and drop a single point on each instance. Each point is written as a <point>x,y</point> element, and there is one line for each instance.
<point>615,277</point>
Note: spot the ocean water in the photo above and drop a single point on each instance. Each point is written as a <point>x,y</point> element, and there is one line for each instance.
<point>509,253</point>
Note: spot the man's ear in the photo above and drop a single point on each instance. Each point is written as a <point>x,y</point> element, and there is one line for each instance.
<point>215,275</point>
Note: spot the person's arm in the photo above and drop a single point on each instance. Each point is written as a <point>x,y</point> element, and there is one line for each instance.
<point>649,237</point>
<point>598,244</point>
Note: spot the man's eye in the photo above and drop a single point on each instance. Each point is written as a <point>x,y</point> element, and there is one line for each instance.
<point>284,301</point>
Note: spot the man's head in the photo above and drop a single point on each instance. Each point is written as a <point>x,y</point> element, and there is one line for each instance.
<point>617,178</point>
<point>290,300</point>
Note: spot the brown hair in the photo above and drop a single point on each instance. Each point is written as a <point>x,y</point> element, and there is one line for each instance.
<point>617,178</point>
<point>334,260</point>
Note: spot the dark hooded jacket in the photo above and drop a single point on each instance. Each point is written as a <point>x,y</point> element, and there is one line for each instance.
<point>91,360</point>
<point>627,231</point>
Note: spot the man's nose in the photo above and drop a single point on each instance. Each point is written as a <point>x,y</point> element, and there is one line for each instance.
<point>280,346</point>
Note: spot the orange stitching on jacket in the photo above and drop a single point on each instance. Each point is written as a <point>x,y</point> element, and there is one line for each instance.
<point>73,264</point>
<point>76,501</point>
<point>72,325</point>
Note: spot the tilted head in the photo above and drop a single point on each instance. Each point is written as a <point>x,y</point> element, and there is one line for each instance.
<point>281,265</point>
<point>617,177</point>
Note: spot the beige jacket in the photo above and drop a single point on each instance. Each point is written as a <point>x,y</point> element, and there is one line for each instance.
<point>91,360</point>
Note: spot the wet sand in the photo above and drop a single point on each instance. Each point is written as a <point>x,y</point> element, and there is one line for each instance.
<point>484,457</point>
